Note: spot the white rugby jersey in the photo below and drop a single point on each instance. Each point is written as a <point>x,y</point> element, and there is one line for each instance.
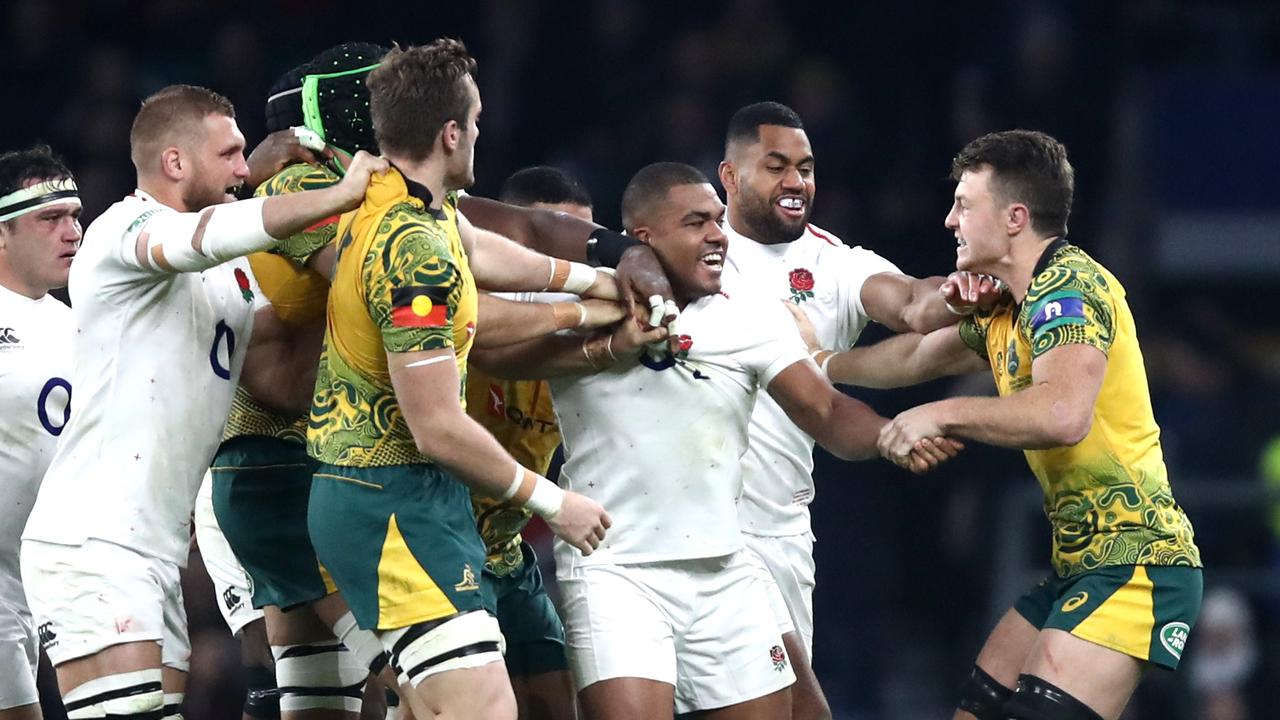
<point>35,392</point>
<point>157,357</point>
<point>824,277</point>
<point>660,444</point>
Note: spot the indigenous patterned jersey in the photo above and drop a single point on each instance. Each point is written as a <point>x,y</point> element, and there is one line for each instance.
<point>402,283</point>
<point>1108,497</point>
<point>297,294</point>
<point>519,414</point>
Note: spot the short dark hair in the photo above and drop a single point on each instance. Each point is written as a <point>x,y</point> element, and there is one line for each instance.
<point>745,124</point>
<point>19,167</point>
<point>543,184</point>
<point>170,112</point>
<point>1029,167</point>
<point>343,100</point>
<point>650,186</point>
<point>417,89</point>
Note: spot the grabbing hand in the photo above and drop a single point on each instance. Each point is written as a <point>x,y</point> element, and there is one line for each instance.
<point>279,150</point>
<point>633,334</point>
<point>640,279</point>
<point>601,313</point>
<point>361,169</point>
<point>966,291</point>
<point>901,440</point>
<point>581,522</point>
<point>807,332</point>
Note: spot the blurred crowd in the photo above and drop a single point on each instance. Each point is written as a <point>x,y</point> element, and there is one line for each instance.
<point>1153,99</point>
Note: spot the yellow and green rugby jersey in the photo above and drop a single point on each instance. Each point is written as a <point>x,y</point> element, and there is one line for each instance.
<point>1108,497</point>
<point>519,414</point>
<point>402,283</point>
<point>297,293</point>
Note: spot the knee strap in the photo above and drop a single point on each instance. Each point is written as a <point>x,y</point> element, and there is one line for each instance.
<point>321,675</point>
<point>362,643</point>
<point>173,706</point>
<point>982,696</point>
<point>263,699</point>
<point>468,640</point>
<point>134,695</point>
<point>1038,699</point>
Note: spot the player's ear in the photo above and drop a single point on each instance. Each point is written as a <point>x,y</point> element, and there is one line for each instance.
<point>729,177</point>
<point>171,163</point>
<point>1017,218</point>
<point>642,234</point>
<point>450,134</point>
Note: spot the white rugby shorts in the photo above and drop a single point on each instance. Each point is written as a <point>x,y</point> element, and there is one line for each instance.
<point>86,598</point>
<point>789,560</point>
<point>19,653</point>
<point>231,584</point>
<point>704,626</point>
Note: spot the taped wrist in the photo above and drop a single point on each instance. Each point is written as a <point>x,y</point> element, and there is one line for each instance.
<point>572,277</point>
<point>191,242</point>
<point>605,247</point>
<point>535,492</point>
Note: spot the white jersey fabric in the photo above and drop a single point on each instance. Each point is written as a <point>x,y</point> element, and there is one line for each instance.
<point>660,444</point>
<point>157,357</point>
<point>824,277</point>
<point>35,392</point>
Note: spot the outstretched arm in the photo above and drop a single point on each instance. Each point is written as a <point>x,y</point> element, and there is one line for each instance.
<point>846,427</point>
<point>906,304</point>
<point>499,264</point>
<point>502,322</point>
<point>566,355</point>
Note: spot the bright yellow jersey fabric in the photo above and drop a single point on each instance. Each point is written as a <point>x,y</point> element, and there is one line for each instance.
<point>296,293</point>
<point>519,414</point>
<point>401,284</point>
<point>1108,497</point>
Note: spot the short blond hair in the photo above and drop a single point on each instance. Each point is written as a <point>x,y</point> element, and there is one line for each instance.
<point>171,114</point>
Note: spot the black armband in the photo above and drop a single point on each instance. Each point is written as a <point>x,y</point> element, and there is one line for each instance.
<point>605,247</point>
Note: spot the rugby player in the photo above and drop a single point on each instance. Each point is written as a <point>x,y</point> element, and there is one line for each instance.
<point>163,306</point>
<point>671,610</point>
<point>390,515</point>
<point>39,236</point>
<point>769,178</point>
<point>1126,582</point>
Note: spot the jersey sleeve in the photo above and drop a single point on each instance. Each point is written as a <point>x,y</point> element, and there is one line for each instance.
<point>973,332</point>
<point>299,178</point>
<point>857,265</point>
<point>777,345</point>
<point>415,290</point>
<point>1068,304</point>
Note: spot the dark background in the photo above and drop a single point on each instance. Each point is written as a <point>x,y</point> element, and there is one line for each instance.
<point>1170,113</point>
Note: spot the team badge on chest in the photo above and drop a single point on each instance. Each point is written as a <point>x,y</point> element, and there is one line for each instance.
<point>801,285</point>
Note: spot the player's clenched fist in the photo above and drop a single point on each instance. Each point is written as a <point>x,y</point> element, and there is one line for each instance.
<point>363,166</point>
<point>581,522</point>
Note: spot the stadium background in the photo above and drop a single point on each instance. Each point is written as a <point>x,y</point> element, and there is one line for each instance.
<point>1169,111</point>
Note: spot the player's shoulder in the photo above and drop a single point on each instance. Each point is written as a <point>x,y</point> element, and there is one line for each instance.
<point>1066,268</point>
<point>297,178</point>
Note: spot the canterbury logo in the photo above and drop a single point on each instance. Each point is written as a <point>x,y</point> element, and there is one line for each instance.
<point>1075,601</point>
<point>7,337</point>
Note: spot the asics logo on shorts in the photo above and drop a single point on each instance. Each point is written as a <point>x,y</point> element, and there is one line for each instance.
<point>1075,601</point>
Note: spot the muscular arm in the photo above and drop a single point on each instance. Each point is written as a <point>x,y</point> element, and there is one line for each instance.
<point>906,304</point>
<point>846,427</point>
<point>549,232</point>
<point>280,365</point>
<point>500,264</point>
<point>907,359</point>
<point>502,322</point>
<point>1055,411</point>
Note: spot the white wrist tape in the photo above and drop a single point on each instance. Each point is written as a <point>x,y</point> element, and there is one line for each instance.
<point>581,278</point>
<point>535,492</point>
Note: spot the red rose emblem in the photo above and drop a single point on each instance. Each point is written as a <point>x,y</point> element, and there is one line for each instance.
<point>801,285</point>
<point>684,343</point>
<point>243,281</point>
<point>778,657</point>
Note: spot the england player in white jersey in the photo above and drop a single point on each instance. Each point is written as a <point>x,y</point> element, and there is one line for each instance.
<point>163,305</point>
<point>670,611</point>
<point>768,176</point>
<point>39,234</point>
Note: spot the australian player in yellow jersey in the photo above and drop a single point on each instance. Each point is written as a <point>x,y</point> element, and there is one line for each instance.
<point>390,514</point>
<point>1126,583</point>
<point>519,414</point>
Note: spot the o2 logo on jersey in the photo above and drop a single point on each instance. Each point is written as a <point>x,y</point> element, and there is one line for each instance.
<point>54,397</point>
<point>224,338</point>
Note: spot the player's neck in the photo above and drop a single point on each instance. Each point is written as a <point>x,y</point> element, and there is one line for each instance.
<point>1024,255</point>
<point>165,193</point>
<point>13,282</point>
<point>428,173</point>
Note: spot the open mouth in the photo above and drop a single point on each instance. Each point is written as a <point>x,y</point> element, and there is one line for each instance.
<point>792,206</point>
<point>960,242</point>
<point>713,260</point>
<point>233,191</point>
